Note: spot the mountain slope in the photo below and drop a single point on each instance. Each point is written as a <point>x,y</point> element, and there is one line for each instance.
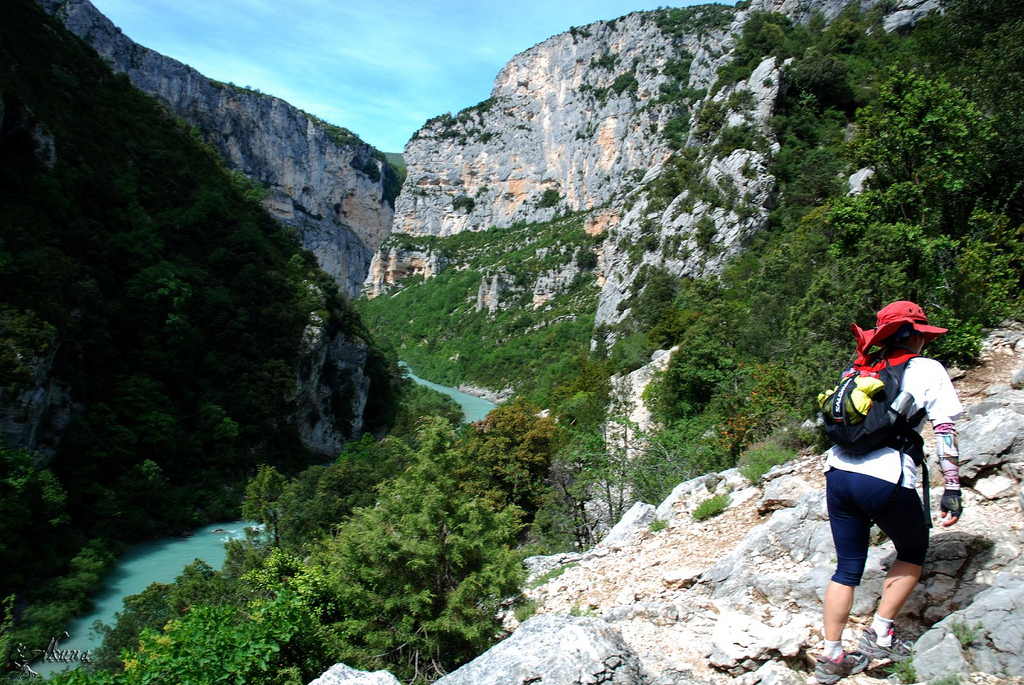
<point>338,192</point>
<point>160,334</point>
<point>723,597</point>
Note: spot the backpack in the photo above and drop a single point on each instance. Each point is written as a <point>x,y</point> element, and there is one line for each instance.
<point>867,409</point>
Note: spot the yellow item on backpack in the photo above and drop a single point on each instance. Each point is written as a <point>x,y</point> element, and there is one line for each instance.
<point>858,402</point>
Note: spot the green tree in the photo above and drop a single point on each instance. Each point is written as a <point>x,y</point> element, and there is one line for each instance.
<point>262,501</point>
<point>208,645</point>
<point>513,448</point>
<point>928,145</point>
<point>157,605</point>
<point>420,576</point>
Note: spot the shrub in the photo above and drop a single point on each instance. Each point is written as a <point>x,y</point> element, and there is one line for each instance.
<point>586,259</point>
<point>951,679</point>
<point>711,507</point>
<point>624,82</point>
<point>463,202</point>
<point>903,670</point>
<point>549,198</point>
<point>548,576</point>
<point>966,634</point>
<point>658,525</point>
<point>759,459</point>
<point>526,610</point>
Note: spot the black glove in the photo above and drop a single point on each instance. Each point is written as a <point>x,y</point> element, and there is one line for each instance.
<point>951,506</point>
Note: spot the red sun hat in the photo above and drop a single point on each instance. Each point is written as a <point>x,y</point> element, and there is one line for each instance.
<point>889,320</point>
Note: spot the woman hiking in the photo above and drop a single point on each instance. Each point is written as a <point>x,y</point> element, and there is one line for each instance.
<point>879,487</point>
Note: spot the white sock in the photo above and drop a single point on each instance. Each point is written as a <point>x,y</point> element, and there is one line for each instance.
<point>833,649</point>
<point>881,627</point>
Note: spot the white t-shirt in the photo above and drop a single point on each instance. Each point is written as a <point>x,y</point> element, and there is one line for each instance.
<point>927,380</point>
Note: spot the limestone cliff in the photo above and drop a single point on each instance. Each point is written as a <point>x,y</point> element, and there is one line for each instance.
<point>627,121</point>
<point>566,121</point>
<point>322,180</point>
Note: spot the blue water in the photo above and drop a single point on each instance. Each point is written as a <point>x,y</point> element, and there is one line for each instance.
<point>160,561</point>
<point>473,408</point>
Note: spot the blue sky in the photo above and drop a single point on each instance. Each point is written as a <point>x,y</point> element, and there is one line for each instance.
<point>380,68</point>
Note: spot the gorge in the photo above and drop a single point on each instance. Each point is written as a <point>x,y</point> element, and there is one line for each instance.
<point>649,243</point>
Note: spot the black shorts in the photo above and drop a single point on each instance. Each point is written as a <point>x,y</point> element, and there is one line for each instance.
<point>855,501</point>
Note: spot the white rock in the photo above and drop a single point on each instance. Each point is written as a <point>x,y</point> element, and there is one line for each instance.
<point>858,179</point>
<point>738,638</point>
<point>340,674</point>
<point>996,487</point>
<point>683,577</point>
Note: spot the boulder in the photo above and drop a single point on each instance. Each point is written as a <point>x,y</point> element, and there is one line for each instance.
<point>783,493</point>
<point>989,441</point>
<point>995,487</point>
<point>771,673</point>
<point>340,674</point>
<point>628,529</point>
<point>741,643</point>
<point>998,396</point>
<point>995,621</point>
<point>555,650</point>
<point>944,658</point>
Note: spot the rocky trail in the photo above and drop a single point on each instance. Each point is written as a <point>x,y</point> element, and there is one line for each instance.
<point>737,596</point>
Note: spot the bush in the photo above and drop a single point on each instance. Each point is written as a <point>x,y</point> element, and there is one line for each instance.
<point>966,634</point>
<point>711,507</point>
<point>463,202</point>
<point>759,459</point>
<point>586,259</point>
<point>549,198</point>
<point>526,610</point>
<point>903,670</point>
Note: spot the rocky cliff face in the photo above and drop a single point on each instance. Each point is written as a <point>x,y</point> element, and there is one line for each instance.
<point>331,189</point>
<point>571,125</point>
<point>331,390</point>
<point>624,120</point>
<point>565,121</point>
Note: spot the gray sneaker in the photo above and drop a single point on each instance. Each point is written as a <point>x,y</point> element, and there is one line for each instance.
<point>828,671</point>
<point>899,650</point>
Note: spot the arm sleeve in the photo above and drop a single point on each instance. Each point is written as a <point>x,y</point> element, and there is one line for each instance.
<point>948,451</point>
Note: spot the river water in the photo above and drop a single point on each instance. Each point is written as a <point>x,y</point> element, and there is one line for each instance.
<point>163,560</point>
<point>160,561</point>
<point>473,408</point>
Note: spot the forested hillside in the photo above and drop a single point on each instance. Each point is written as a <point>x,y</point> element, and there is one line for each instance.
<point>156,326</point>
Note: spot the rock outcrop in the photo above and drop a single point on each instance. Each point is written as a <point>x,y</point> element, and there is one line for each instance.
<point>320,179</point>
<point>569,121</point>
<point>394,264</point>
<point>331,390</point>
<point>556,128</point>
<point>560,650</point>
<point>35,418</point>
<point>340,674</point>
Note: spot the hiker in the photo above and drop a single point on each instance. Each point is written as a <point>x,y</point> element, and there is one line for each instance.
<point>879,487</point>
